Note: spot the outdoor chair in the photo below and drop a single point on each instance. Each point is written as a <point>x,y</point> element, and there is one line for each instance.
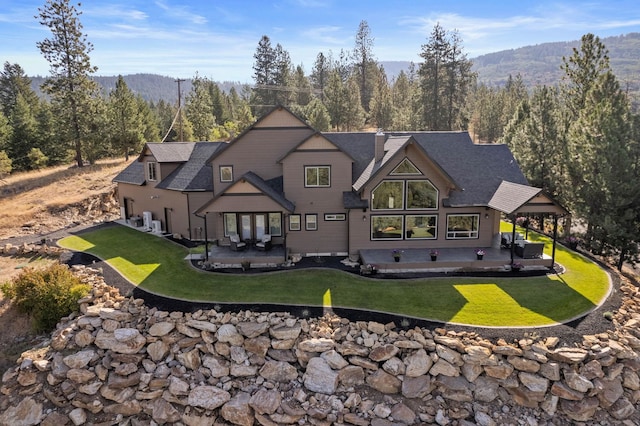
<point>236,244</point>
<point>529,250</point>
<point>264,243</point>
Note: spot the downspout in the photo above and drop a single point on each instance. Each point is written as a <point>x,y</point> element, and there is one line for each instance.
<point>189,217</point>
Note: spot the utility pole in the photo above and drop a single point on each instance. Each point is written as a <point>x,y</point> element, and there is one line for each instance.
<point>180,134</point>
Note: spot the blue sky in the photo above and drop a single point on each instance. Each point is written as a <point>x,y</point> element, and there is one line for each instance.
<point>217,38</point>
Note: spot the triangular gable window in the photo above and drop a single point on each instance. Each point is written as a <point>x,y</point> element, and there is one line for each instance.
<point>406,167</point>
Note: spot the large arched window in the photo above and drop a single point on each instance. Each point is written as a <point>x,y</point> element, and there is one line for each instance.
<point>421,194</point>
<point>401,195</point>
<point>389,195</point>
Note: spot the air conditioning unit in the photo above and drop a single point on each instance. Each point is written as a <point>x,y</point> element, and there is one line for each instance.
<point>147,217</point>
<point>156,227</point>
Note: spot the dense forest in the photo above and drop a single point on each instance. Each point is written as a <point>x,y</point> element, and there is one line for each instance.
<point>571,123</point>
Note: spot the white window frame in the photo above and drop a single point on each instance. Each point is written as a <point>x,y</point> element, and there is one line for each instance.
<point>311,222</point>
<point>152,170</point>
<point>435,232</point>
<point>295,222</point>
<point>406,194</point>
<point>317,184</point>
<point>329,217</point>
<point>277,217</point>
<point>230,168</point>
<point>464,235</point>
<point>226,217</point>
<point>374,231</point>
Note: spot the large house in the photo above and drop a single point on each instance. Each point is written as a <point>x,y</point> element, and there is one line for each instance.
<point>323,193</point>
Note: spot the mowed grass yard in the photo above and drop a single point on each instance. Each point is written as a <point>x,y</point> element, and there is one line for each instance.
<point>158,266</point>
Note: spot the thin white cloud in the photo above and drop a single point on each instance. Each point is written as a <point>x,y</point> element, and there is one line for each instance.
<point>181,13</point>
<point>115,12</point>
<point>325,34</point>
<point>312,3</point>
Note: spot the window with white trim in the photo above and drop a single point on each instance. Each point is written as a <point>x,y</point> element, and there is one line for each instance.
<point>421,227</point>
<point>151,170</point>
<point>311,222</point>
<point>388,195</point>
<point>334,216</point>
<point>294,222</point>
<point>275,224</point>
<point>462,226</point>
<point>317,176</point>
<point>230,224</point>
<point>421,195</point>
<point>386,227</point>
<point>226,173</point>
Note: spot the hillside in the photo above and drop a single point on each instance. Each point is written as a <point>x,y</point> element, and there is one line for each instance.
<point>538,65</point>
<point>38,202</point>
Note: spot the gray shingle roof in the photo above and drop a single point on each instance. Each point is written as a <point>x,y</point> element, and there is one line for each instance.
<point>171,152</point>
<point>510,196</point>
<point>132,174</point>
<point>478,170</point>
<point>194,174</point>
<point>272,188</point>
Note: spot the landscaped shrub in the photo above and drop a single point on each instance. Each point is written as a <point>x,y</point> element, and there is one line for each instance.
<point>46,295</point>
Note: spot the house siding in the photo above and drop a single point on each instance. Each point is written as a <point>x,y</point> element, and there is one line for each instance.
<point>360,222</point>
<point>257,151</point>
<point>331,236</point>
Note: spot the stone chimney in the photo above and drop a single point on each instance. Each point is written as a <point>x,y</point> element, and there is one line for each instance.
<point>379,147</point>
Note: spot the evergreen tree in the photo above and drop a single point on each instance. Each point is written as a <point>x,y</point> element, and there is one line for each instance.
<point>364,63</point>
<point>149,119</point>
<point>445,78</point>
<point>320,74</point>
<point>354,114</point>
<point>199,109</point>
<point>23,134</point>
<point>335,100</point>
<point>5,132</point>
<point>5,165</point>
<point>125,121</point>
<point>318,116</point>
<point>47,136</point>
<point>302,87</point>
<point>381,105</point>
<point>69,85</point>
<point>14,82</point>
<point>403,93</point>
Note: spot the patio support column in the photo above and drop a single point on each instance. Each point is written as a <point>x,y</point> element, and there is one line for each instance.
<point>555,237</point>
<point>206,239</point>
<point>513,237</point>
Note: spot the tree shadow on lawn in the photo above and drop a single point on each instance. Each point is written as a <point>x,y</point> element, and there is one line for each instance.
<point>553,299</point>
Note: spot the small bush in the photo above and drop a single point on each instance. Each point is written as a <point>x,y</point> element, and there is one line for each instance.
<point>46,295</point>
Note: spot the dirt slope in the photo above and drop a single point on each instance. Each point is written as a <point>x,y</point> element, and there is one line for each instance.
<point>38,202</point>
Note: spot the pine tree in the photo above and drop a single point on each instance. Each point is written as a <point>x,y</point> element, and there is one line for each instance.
<point>445,79</point>
<point>14,82</point>
<point>126,126</point>
<point>320,74</point>
<point>23,134</point>
<point>69,85</point>
<point>364,63</point>
<point>199,109</point>
<point>381,105</point>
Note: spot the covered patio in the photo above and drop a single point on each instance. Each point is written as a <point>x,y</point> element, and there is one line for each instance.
<point>448,259</point>
<point>224,257</point>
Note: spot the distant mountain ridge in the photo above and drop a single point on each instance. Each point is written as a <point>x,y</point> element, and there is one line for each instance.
<point>537,64</point>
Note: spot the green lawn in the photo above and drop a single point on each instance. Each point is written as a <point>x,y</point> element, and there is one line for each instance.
<point>156,265</point>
